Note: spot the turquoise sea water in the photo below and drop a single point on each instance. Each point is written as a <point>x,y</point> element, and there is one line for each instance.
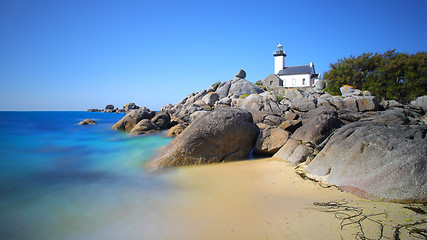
<point>59,180</point>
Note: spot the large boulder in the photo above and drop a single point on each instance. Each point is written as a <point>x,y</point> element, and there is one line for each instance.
<point>109,106</point>
<point>349,104</point>
<point>162,120</point>
<point>299,100</point>
<point>210,98</point>
<point>130,106</point>
<point>349,91</point>
<point>241,86</point>
<point>263,102</point>
<point>388,104</point>
<point>252,102</point>
<point>270,140</point>
<point>304,104</point>
<point>225,134</point>
<point>293,152</point>
<point>241,74</point>
<point>185,112</point>
<point>129,121</point>
<point>143,127</point>
<point>320,85</point>
<point>420,102</point>
<point>223,89</point>
<point>318,127</point>
<point>367,103</point>
<point>237,87</point>
<point>371,159</point>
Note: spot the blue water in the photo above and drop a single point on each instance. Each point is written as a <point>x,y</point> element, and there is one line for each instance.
<point>59,180</point>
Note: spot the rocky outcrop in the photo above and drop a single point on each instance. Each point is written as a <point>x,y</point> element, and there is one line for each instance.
<point>129,121</point>
<point>298,127</point>
<point>224,134</point>
<point>88,122</point>
<point>270,140</point>
<point>319,124</point>
<point>375,160</point>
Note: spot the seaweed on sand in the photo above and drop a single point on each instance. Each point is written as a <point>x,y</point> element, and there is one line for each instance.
<point>352,216</point>
<point>414,230</point>
<point>355,216</point>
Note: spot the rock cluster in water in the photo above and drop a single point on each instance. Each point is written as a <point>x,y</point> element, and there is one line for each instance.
<point>110,108</point>
<point>351,140</point>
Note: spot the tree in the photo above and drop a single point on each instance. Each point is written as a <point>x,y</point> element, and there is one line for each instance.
<point>391,75</point>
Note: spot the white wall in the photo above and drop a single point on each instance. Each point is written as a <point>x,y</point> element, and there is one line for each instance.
<point>296,80</point>
<point>279,63</point>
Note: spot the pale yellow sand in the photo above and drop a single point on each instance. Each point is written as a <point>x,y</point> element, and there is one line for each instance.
<point>265,199</point>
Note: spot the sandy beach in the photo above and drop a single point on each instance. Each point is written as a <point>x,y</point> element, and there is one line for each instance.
<point>266,199</point>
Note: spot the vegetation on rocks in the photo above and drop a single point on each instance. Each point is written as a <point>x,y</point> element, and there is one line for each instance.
<point>391,75</point>
<point>215,85</point>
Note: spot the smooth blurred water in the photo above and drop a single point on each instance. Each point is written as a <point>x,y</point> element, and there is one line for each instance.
<point>59,180</point>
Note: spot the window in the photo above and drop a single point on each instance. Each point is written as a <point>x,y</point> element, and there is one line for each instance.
<point>271,83</point>
<point>303,81</point>
<point>294,82</point>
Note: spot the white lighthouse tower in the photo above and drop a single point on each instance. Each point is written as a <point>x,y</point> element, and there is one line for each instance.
<point>279,59</point>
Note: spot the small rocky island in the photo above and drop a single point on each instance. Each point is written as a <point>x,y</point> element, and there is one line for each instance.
<point>375,150</point>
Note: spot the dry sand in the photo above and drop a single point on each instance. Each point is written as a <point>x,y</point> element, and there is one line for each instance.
<point>266,199</point>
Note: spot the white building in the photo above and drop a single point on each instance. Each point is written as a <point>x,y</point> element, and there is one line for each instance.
<point>295,76</point>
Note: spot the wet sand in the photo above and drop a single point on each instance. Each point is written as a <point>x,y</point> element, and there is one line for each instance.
<point>266,199</point>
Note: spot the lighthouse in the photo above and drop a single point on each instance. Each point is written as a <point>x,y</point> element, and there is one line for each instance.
<point>279,59</point>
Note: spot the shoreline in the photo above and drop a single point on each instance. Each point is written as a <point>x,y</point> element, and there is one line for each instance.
<point>266,199</point>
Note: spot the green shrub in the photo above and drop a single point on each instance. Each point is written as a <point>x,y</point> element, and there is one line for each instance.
<point>391,75</point>
<point>216,85</point>
<point>243,96</point>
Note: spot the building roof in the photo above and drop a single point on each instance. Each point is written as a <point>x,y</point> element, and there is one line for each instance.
<point>315,76</point>
<point>306,69</point>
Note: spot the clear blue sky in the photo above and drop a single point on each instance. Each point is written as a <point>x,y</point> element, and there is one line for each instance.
<point>78,54</point>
